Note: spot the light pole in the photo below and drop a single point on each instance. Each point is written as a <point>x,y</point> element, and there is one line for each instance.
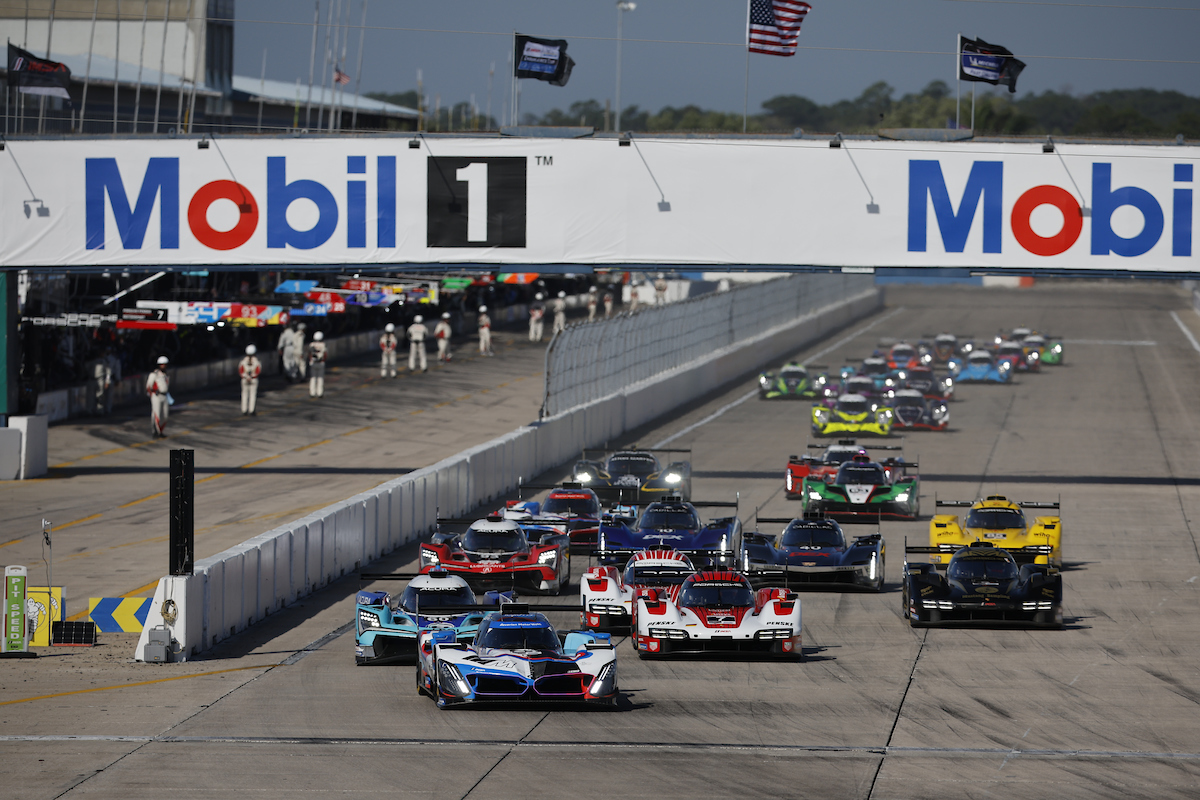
<point>622,7</point>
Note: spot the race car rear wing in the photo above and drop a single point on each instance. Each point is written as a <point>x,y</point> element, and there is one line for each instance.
<point>1033,549</point>
<point>689,552</point>
<point>633,448</point>
<point>969,503</point>
<point>855,443</point>
<point>761,537</point>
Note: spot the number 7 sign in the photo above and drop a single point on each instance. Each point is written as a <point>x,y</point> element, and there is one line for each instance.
<point>476,202</point>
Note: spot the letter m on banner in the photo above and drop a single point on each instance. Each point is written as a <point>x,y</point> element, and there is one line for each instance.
<point>161,181</point>
<point>985,182</point>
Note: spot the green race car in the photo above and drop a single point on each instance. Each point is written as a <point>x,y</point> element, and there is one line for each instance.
<point>853,413</point>
<point>865,490</point>
<point>792,381</point>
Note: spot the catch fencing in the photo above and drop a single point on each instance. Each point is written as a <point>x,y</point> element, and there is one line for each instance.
<point>590,361</point>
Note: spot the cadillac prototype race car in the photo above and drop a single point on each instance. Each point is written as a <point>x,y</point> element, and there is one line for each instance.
<point>981,366</point>
<point>635,471</point>
<point>812,552</point>
<point>516,656</point>
<point>852,414</point>
<point>717,612</point>
<point>864,490</point>
<point>387,625</point>
<point>608,593</point>
<point>824,466</point>
<point>982,584</point>
<point>792,381</point>
<point>671,523</point>
<point>911,411</point>
<point>1001,522</point>
<point>532,553</point>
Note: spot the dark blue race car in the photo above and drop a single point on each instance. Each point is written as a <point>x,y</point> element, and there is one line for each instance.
<point>812,552</point>
<point>675,524</point>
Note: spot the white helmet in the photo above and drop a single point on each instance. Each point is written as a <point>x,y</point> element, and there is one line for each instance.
<point>445,315</point>
<point>418,318</point>
<point>251,349</point>
<point>483,309</point>
<point>562,294</point>
<point>318,336</point>
<point>539,296</point>
<point>389,327</point>
<point>162,360</point>
<point>592,289</point>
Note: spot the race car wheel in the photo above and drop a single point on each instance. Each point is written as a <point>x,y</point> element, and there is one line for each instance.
<point>879,582</point>
<point>420,683</point>
<point>437,684</point>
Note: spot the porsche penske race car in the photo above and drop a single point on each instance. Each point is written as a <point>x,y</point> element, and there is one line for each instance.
<point>529,553</point>
<point>386,626</point>
<point>812,552</point>
<point>911,411</point>
<point>1001,522</point>
<point>864,490</point>
<point>635,470</point>
<point>517,656</point>
<point>792,381</point>
<point>671,523</point>
<point>980,366</point>
<point>717,611</point>
<point>982,584</point>
<point>852,414</point>
<point>823,466</point>
<point>608,593</point>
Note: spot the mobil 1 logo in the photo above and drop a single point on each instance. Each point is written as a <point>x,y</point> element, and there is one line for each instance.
<point>476,202</point>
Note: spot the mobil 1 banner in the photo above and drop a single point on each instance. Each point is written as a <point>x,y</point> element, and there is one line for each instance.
<point>592,202</point>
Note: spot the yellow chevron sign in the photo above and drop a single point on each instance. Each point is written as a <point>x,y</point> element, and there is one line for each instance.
<point>119,614</point>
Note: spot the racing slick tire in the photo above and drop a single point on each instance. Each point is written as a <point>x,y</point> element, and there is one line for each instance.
<point>420,683</point>
<point>1052,618</point>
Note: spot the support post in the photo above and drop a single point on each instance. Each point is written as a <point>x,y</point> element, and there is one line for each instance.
<point>10,351</point>
<point>182,541</point>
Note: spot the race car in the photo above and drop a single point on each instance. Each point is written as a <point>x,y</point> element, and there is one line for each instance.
<point>865,490</point>
<point>1050,349</point>
<point>945,347</point>
<point>903,355</point>
<point>865,386</point>
<point>717,611</point>
<point>852,414</point>
<point>529,553</point>
<point>386,625</point>
<point>824,466</point>
<point>812,552</point>
<point>999,521</point>
<point>792,381</point>
<point>608,592</point>
<point>635,471</point>
<point>911,411</point>
<point>515,657</point>
<point>578,506</point>
<point>1015,354</point>
<point>671,522</point>
<point>981,367</point>
<point>982,584</point>
<point>927,382</point>
<point>876,368</point>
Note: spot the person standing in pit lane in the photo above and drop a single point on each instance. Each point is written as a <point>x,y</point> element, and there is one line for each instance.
<point>416,344</point>
<point>301,360</point>
<point>485,332</point>
<point>560,313</point>
<point>114,371</point>
<point>99,384</point>
<point>442,333</point>
<point>660,290</point>
<point>249,368</point>
<point>592,302</point>
<point>387,346</point>
<point>608,303</point>
<point>157,387</point>
<point>537,318</point>
<point>317,355</point>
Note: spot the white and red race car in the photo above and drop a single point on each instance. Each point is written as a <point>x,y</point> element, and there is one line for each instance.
<point>717,611</point>
<point>608,592</point>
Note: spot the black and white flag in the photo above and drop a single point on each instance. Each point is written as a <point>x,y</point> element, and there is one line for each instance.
<point>543,60</point>
<point>33,75</point>
<point>987,63</point>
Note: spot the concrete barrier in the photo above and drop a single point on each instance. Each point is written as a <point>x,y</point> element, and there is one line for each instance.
<point>240,586</point>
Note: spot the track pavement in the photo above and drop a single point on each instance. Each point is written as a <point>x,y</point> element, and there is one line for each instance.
<point>1104,708</point>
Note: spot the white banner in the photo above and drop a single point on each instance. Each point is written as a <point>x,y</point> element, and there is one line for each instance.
<point>590,201</point>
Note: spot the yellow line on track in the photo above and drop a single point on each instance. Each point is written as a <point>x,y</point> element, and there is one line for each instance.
<point>144,499</point>
<point>141,589</point>
<point>75,522</point>
<point>131,685</point>
<point>314,444</point>
<point>211,477</point>
<point>260,461</point>
<point>356,430</point>
<point>14,541</point>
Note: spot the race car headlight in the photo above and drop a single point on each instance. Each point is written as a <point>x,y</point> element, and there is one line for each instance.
<point>429,557</point>
<point>774,633</point>
<point>1033,355</point>
<point>943,605</point>
<point>667,633</point>
<point>883,416</point>
<point>949,381</point>
<point>605,681</point>
<point>452,681</point>
<point>902,374</point>
<point>814,495</point>
<point>764,381</point>
<point>1005,365</point>
<point>1042,605</point>
<point>939,412</point>
<point>820,414</point>
<point>549,557</point>
<point>583,477</point>
<point>366,619</point>
<point>902,497</point>
<point>927,358</point>
<point>1057,348</point>
<point>821,380</point>
<point>673,477</point>
<point>889,382</point>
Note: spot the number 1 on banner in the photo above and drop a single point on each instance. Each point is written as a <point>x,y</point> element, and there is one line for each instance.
<point>476,177</point>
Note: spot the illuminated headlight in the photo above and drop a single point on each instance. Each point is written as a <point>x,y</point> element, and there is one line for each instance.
<point>821,380</point>
<point>1005,365</point>
<point>891,393</point>
<point>889,382</point>
<point>788,477</point>
<point>673,477</point>
<point>949,381</point>
<point>606,681</point>
<point>814,495</point>
<point>583,477</point>
<point>883,416</point>
<point>939,412</point>
<point>774,633</point>
<point>1057,348</point>
<point>1033,356</point>
<point>968,347</point>
<point>429,557</point>
<point>452,681</point>
<point>667,633</point>
<point>821,414</point>
<point>938,604</point>
<point>927,359</point>
<point>874,406</point>
<point>1041,605</point>
<point>902,497</point>
<point>764,381</point>
<point>368,620</point>
<point>902,374</point>
<point>548,557</point>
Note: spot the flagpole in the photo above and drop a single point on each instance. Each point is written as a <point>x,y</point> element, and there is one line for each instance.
<point>162,63</point>
<point>117,70</point>
<point>262,88</point>
<point>87,73</point>
<point>312,63</point>
<point>972,108</point>
<point>362,36</point>
<point>187,21</point>
<point>746,95</point>
<point>137,97</point>
<point>957,82</point>
<point>49,39</point>
<point>341,87</point>
<point>325,68</point>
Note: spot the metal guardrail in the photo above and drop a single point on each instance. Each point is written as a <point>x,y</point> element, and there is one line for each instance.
<point>588,361</point>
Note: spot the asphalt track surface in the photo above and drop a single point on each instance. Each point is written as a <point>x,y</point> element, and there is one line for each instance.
<point>1105,708</point>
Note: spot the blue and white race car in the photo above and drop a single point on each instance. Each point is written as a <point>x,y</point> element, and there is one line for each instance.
<point>980,366</point>
<point>516,656</point>
<point>813,552</point>
<point>674,524</point>
<point>386,626</point>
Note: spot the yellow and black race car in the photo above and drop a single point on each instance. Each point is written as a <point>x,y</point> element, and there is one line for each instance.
<point>1000,522</point>
<point>853,413</point>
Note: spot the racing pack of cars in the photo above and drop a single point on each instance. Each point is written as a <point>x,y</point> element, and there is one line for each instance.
<point>682,576</point>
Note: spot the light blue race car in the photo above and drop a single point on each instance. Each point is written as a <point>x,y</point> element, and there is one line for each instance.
<point>980,366</point>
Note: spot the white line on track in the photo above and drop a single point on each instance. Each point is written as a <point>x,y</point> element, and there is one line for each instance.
<point>1115,342</point>
<point>1191,337</point>
<point>734,404</point>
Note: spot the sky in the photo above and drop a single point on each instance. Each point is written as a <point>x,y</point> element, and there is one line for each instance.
<point>680,52</point>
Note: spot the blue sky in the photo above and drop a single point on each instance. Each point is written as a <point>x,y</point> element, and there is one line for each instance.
<point>1078,46</point>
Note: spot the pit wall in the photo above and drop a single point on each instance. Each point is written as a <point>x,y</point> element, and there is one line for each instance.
<point>233,589</point>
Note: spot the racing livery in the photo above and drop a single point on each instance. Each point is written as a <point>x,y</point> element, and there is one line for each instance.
<point>852,414</point>
<point>608,592</point>
<point>635,474</point>
<point>813,552</point>
<point>530,553</point>
<point>1001,522</point>
<point>577,506</point>
<point>671,523</point>
<point>792,381</point>
<point>925,381</point>
<point>981,367</point>
<point>982,584</point>
<point>717,611</point>
<point>516,656</point>
<point>911,411</point>
<point>1015,353</point>
<point>865,489</point>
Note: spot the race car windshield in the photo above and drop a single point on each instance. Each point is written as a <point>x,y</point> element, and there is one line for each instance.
<point>530,638</point>
<point>995,519</point>
<point>669,518</point>
<point>728,595</point>
<point>804,536</point>
<point>1011,351</point>
<point>860,473</point>
<point>793,374</point>
<point>414,599</point>
<point>853,406</point>
<point>656,576</point>
<point>874,368</point>
<point>840,456</point>
<point>903,354</point>
<point>625,465</point>
<point>575,506</point>
<point>980,358</point>
<point>494,541</point>
<point>982,569</point>
<point>910,401</point>
<point>859,385</point>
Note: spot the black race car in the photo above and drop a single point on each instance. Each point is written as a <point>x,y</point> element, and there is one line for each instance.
<point>634,475</point>
<point>812,552</point>
<point>982,584</point>
<point>911,411</point>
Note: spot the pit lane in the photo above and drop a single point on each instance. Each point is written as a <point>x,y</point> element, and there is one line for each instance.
<point>1105,708</point>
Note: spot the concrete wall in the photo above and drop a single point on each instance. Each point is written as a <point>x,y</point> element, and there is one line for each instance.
<point>246,583</point>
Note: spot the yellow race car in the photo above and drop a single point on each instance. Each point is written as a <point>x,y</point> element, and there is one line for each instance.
<point>852,414</point>
<point>1000,522</point>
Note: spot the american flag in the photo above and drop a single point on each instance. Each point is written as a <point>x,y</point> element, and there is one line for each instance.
<point>339,76</point>
<point>775,26</point>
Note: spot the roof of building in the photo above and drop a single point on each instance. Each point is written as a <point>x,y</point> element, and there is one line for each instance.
<point>246,88</point>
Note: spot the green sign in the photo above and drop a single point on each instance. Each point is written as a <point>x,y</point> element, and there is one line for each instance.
<point>15,635</point>
<point>456,284</point>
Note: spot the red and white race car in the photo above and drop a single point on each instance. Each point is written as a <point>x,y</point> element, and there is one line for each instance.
<point>717,611</point>
<point>608,592</point>
<point>526,553</point>
<point>822,466</point>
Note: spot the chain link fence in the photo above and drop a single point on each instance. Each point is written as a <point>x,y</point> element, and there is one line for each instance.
<point>588,361</point>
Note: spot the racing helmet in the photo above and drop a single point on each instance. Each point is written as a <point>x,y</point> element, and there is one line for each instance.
<point>318,336</point>
<point>389,328</point>
<point>418,319</point>
<point>251,350</point>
